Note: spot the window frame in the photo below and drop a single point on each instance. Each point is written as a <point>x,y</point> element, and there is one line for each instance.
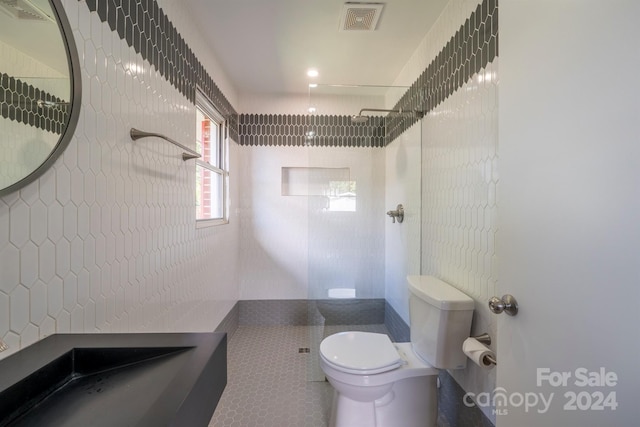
<point>204,104</point>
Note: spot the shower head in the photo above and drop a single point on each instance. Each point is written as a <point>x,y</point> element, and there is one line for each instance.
<point>363,119</point>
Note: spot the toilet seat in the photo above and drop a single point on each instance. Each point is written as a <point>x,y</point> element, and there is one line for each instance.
<point>360,353</point>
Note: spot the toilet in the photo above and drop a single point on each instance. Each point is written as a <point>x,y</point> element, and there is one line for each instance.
<point>378,383</point>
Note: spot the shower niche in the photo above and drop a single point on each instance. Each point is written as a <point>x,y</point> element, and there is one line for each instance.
<point>333,187</point>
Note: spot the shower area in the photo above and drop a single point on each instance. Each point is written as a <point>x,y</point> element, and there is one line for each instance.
<point>317,246</point>
<point>356,247</point>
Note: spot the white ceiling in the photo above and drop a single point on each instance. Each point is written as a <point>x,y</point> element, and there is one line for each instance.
<point>266,46</point>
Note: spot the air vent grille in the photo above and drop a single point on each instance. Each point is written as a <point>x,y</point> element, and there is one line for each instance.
<point>360,16</point>
<point>24,10</point>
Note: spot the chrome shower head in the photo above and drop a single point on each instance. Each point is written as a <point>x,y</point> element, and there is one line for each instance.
<point>363,119</point>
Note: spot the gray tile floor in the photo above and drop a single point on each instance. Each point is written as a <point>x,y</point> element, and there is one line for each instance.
<point>271,384</point>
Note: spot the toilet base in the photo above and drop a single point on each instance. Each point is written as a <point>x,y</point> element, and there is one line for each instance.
<point>412,402</point>
<point>347,412</point>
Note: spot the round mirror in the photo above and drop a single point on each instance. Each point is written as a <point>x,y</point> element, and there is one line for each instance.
<point>39,89</point>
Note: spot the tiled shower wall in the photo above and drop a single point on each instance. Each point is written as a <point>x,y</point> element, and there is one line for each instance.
<point>459,179</point>
<point>105,241</point>
<point>290,246</point>
<point>402,241</point>
<point>459,218</point>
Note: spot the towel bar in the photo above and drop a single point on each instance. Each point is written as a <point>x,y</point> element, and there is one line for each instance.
<point>189,153</point>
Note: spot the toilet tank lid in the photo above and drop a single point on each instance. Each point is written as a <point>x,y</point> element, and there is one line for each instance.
<point>439,294</point>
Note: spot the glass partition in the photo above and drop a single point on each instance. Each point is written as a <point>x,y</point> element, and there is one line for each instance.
<point>349,190</point>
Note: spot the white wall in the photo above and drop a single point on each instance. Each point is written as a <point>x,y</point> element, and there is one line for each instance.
<point>569,223</point>
<point>273,228</point>
<point>290,247</point>
<point>105,241</point>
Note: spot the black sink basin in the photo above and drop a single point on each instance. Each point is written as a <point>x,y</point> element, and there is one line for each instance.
<point>114,380</point>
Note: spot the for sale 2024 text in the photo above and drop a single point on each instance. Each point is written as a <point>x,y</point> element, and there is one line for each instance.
<point>586,399</point>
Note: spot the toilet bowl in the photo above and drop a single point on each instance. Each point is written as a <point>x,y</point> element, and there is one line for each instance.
<point>381,384</point>
<point>378,382</point>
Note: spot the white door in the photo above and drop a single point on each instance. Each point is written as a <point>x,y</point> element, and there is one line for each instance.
<point>569,213</point>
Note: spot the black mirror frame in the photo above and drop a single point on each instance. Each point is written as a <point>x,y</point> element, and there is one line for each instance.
<point>76,100</point>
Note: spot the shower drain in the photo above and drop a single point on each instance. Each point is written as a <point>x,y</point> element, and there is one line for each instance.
<point>304,350</point>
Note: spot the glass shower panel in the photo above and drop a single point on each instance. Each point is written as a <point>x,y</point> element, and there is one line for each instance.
<point>346,220</point>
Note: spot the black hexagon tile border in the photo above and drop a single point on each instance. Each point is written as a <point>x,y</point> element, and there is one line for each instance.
<point>310,130</point>
<point>147,29</point>
<point>469,50</point>
<point>19,101</point>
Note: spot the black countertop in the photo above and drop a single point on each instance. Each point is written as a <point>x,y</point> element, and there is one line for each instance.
<point>164,379</point>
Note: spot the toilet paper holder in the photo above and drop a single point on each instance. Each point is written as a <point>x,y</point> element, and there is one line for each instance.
<point>489,358</point>
<point>486,340</point>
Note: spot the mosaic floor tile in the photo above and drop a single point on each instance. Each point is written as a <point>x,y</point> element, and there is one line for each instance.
<point>271,383</point>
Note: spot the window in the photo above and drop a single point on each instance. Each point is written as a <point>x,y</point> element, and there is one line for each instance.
<point>212,174</point>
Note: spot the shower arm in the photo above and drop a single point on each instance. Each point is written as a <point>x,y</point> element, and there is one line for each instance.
<point>418,114</point>
<point>379,110</point>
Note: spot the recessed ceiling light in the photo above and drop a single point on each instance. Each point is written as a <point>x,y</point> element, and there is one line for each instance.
<point>312,85</point>
<point>312,72</point>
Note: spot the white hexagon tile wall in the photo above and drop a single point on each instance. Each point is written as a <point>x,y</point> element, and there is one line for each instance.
<point>105,240</point>
<point>459,166</point>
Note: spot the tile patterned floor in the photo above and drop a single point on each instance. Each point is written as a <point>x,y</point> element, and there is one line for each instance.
<point>271,384</point>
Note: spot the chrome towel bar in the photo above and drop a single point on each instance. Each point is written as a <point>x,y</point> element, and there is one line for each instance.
<point>187,155</point>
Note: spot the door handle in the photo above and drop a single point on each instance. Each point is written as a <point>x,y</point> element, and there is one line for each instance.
<point>507,303</point>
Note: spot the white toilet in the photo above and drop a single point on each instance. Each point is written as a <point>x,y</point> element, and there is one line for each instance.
<point>383,384</point>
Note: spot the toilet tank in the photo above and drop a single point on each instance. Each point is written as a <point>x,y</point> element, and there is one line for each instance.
<point>440,319</point>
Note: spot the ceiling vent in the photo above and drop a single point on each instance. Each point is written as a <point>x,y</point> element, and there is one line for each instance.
<point>360,16</point>
<point>24,10</point>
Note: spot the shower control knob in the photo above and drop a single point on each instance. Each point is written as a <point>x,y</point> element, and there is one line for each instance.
<point>398,213</point>
<point>507,303</point>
